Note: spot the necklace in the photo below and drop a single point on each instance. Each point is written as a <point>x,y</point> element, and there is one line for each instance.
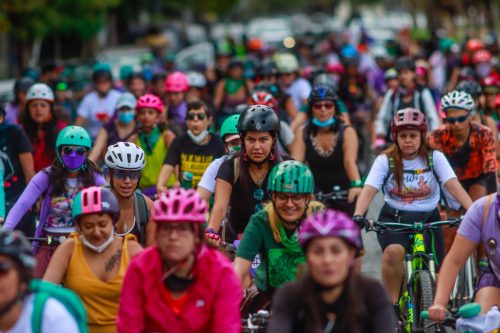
<point>125,229</point>
<point>319,150</point>
<point>259,179</point>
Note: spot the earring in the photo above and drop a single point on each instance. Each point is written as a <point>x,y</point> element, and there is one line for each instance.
<point>245,157</point>
<point>272,157</point>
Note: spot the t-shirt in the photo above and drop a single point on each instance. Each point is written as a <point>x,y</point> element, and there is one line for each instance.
<point>43,156</point>
<point>60,206</point>
<point>93,106</point>
<point>192,157</point>
<point>56,319</point>
<point>420,191</point>
<point>13,141</point>
<point>475,229</point>
<point>208,179</point>
<point>469,161</point>
<point>299,90</point>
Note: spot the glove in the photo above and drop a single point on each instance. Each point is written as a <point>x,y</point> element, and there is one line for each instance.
<point>361,221</point>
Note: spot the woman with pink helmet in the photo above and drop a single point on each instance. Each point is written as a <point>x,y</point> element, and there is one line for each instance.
<point>180,284</point>
<point>176,87</point>
<point>331,297</point>
<point>154,138</point>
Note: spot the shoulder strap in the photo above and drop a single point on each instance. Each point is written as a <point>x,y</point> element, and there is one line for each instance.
<point>38,307</point>
<point>390,160</point>
<point>236,169</point>
<point>486,208</point>
<point>143,213</point>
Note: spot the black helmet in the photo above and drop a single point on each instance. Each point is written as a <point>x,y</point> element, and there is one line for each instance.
<point>404,63</point>
<point>471,87</point>
<point>14,245</point>
<point>322,92</point>
<point>258,118</point>
<point>268,67</point>
<point>23,84</point>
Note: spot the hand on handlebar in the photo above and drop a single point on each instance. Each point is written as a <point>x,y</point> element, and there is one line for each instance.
<point>437,312</point>
<point>361,221</point>
<point>212,237</point>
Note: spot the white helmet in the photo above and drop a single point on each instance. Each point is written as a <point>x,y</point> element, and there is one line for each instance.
<point>125,156</point>
<point>287,63</point>
<point>196,79</point>
<point>457,100</point>
<point>40,91</point>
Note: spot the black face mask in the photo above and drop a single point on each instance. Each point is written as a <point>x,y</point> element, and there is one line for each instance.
<point>176,283</point>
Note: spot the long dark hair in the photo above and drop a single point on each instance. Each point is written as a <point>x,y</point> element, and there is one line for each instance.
<point>50,127</point>
<point>311,304</point>
<point>58,174</point>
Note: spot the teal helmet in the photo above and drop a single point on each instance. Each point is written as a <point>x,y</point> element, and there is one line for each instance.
<point>73,136</point>
<point>229,126</point>
<point>291,177</point>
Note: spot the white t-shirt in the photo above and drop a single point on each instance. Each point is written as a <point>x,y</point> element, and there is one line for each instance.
<point>208,179</point>
<point>56,319</point>
<point>420,192</point>
<point>92,105</point>
<point>299,90</point>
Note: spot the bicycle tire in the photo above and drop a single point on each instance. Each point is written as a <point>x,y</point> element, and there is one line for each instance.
<point>404,313</point>
<point>422,297</point>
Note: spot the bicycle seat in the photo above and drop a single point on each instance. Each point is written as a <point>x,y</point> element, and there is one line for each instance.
<point>59,231</point>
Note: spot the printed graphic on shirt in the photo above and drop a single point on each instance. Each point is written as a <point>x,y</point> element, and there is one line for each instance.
<point>415,187</point>
<point>60,209</point>
<point>196,164</point>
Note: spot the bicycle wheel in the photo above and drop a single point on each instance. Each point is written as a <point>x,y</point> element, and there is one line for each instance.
<point>463,292</point>
<point>421,297</point>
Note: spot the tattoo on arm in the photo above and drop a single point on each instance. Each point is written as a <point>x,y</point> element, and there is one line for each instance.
<point>115,259</point>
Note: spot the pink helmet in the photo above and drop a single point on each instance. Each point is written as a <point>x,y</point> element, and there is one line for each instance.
<point>408,118</point>
<point>176,82</point>
<point>481,56</point>
<point>180,205</point>
<point>150,101</point>
<point>330,223</point>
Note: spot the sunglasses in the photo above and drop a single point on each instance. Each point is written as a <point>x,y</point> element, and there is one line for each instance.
<point>122,174</point>
<point>193,116</point>
<point>461,119</point>
<point>68,150</point>
<point>5,267</point>
<point>326,105</point>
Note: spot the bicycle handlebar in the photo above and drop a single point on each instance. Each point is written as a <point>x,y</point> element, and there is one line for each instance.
<point>379,226</point>
<point>470,310</point>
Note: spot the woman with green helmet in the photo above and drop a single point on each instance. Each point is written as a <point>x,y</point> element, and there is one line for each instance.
<point>57,185</point>
<point>272,232</point>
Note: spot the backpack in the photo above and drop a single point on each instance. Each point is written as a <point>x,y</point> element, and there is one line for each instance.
<point>143,213</point>
<point>44,290</point>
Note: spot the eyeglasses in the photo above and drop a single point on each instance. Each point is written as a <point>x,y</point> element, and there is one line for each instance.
<point>181,228</point>
<point>122,174</point>
<point>67,150</point>
<point>193,116</point>
<point>326,105</point>
<point>461,119</point>
<point>282,198</point>
<point>5,267</point>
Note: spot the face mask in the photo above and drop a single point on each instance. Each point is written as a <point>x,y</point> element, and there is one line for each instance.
<point>126,117</point>
<point>197,138</point>
<point>74,161</point>
<point>233,150</point>
<point>319,123</point>
<point>103,246</point>
<point>176,283</point>
<point>483,69</point>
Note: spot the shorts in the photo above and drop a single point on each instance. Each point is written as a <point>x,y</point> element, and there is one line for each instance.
<point>488,181</point>
<point>487,278</point>
<point>388,214</point>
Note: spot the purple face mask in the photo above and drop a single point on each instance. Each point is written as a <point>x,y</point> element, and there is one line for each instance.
<point>73,161</point>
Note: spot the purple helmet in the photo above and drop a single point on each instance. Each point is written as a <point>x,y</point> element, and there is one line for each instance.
<point>330,223</point>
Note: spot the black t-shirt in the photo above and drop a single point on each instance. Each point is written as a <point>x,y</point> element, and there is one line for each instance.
<point>13,141</point>
<point>192,157</point>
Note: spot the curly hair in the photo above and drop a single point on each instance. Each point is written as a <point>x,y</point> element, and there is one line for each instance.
<point>58,175</point>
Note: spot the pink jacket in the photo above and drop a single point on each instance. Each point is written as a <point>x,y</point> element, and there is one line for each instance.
<point>213,303</point>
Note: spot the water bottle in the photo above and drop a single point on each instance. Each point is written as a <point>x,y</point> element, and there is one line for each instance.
<point>187,180</point>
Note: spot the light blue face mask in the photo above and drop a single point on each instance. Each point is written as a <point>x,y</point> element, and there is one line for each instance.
<point>320,123</point>
<point>126,117</point>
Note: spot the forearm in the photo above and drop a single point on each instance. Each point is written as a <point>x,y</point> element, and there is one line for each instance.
<point>447,275</point>
<point>216,216</point>
<point>364,200</point>
<point>457,191</point>
<point>28,166</point>
<point>165,172</point>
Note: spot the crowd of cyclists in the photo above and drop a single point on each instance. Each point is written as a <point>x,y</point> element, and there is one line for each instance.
<point>192,200</point>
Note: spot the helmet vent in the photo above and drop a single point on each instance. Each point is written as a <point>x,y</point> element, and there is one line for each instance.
<point>129,158</point>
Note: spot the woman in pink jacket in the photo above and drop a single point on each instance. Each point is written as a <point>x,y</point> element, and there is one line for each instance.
<point>180,284</point>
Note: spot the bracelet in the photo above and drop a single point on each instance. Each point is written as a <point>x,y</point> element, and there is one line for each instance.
<point>355,183</point>
<point>211,231</point>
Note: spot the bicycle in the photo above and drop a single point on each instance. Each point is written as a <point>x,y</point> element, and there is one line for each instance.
<point>256,323</point>
<point>329,197</point>
<point>466,311</point>
<point>418,287</point>
<point>464,288</point>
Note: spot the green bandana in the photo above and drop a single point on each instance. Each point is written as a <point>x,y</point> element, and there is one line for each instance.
<point>148,141</point>
<point>291,243</point>
<point>232,85</point>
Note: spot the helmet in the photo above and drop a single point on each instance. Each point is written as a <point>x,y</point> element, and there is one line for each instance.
<point>94,199</point>
<point>330,223</point>
<point>40,91</point>
<point>391,73</point>
<point>481,56</point>
<point>125,156</point>
<point>349,51</point>
<point>457,100</point>
<point>270,88</point>
<point>287,63</point>
<point>180,205</point>
<point>473,45</point>
<point>268,67</point>
<point>101,70</point>
<point>263,98</point>
<point>421,70</point>
<point>73,136</point>
<point>491,81</point>
<point>471,87</point>
<point>14,245</point>
<point>255,44</point>
<point>23,84</point>
<point>334,68</point>
<point>196,79</point>
<point>229,126</point>
<point>291,177</point>
<point>126,100</point>
<point>408,119</point>
<point>322,92</point>
<point>258,118</point>
<point>404,63</point>
<point>150,101</point>
<point>176,82</point>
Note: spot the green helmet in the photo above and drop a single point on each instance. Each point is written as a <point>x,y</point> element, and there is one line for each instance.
<point>229,126</point>
<point>291,177</point>
<point>73,136</point>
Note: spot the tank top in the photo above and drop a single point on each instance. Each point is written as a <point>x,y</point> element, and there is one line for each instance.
<point>100,298</point>
<point>154,162</point>
<point>328,171</point>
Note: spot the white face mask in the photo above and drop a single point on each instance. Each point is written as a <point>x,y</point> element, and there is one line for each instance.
<point>197,138</point>
<point>103,246</point>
